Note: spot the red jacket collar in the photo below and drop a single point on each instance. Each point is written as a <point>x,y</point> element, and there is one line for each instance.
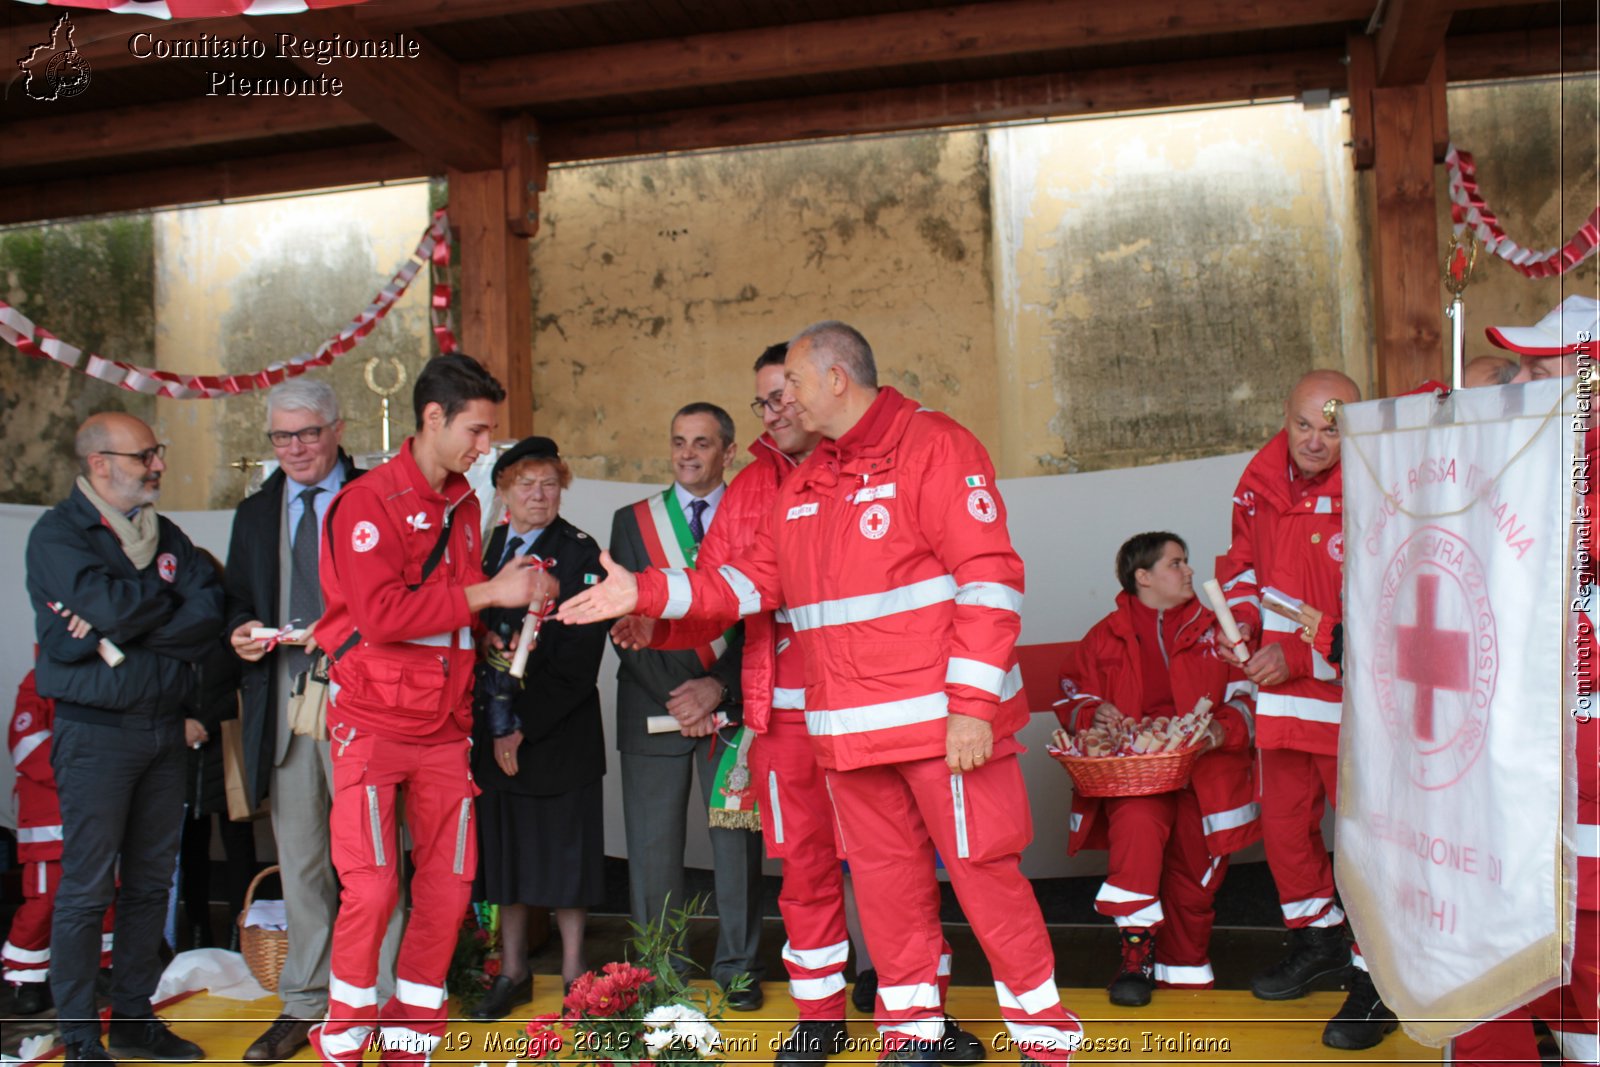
<point>1182,625</point>
<point>765,450</point>
<point>877,433</point>
<point>1270,474</point>
<point>456,488</point>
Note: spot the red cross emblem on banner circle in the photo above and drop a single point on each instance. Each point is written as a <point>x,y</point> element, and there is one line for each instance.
<point>981,506</point>
<point>875,522</point>
<point>1436,654</point>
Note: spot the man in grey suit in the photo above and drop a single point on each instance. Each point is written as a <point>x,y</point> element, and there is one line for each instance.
<point>272,575</point>
<point>693,687</point>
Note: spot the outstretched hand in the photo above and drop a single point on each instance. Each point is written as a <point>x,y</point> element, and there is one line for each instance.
<point>617,595</point>
<point>633,632</point>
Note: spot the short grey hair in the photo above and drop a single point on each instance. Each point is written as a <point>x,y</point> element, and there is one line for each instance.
<point>305,394</point>
<point>92,437</point>
<point>844,346</point>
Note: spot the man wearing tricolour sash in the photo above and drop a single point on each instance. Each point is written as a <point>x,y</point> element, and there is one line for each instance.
<point>694,688</point>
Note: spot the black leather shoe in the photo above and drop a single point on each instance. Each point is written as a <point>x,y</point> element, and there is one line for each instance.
<point>911,1052</point>
<point>150,1039</point>
<point>30,998</point>
<point>957,1046</point>
<point>286,1036</point>
<point>1363,1020</point>
<point>503,995</point>
<point>865,995</point>
<point>750,998</point>
<point>86,1052</point>
<point>1314,952</point>
<point>812,1041</point>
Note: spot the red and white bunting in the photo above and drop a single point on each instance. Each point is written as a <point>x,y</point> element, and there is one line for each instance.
<point>1468,210</point>
<point>196,9</point>
<point>16,329</point>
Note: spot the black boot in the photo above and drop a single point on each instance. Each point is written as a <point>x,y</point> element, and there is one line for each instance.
<point>503,995</point>
<point>957,1046</point>
<point>1363,1020</point>
<point>1133,984</point>
<point>812,1041</point>
<point>1314,951</point>
<point>148,1038</point>
<point>30,998</point>
<point>90,1052</point>
<point>865,995</point>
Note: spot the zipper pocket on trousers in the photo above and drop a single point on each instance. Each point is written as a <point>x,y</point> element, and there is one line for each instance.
<point>958,798</point>
<point>461,835</point>
<point>375,817</point>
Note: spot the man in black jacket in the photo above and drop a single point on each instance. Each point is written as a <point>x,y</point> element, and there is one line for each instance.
<point>272,575</point>
<point>113,582</point>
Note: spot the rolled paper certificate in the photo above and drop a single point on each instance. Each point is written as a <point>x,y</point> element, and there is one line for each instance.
<point>108,651</point>
<point>530,637</point>
<point>1230,628</point>
<point>1281,603</point>
<point>661,724</point>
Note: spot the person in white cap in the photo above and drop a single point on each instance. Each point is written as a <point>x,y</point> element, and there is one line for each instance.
<point>1559,346</point>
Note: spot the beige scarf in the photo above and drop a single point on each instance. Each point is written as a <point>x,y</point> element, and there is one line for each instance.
<point>139,535</point>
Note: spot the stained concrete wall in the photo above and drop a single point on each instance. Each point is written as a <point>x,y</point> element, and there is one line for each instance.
<point>1161,281</point>
<point>241,286</point>
<point>89,283</point>
<point>658,283</point>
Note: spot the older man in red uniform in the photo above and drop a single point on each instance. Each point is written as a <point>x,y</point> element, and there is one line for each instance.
<point>401,583</point>
<point>1288,535</point>
<point>1559,346</point>
<point>889,550</point>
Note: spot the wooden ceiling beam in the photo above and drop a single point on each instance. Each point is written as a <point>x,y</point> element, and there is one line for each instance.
<point>994,100</point>
<point>104,39</point>
<point>416,99</point>
<point>160,127</point>
<point>1521,54</point>
<point>290,172</point>
<point>970,31</point>
<point>1409,40</point>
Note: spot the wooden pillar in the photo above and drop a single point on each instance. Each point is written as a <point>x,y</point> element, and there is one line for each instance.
<point>1409,298</point>
<point>494,213</point>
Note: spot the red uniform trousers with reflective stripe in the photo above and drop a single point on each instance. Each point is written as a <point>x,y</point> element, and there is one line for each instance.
<point>1569,1012</point>
<point>1162,875</point>
<point>892,818</point>
<point>798,828</point>
<point>1295,786</point>
<point>368,774</point>
<point>26,954</point>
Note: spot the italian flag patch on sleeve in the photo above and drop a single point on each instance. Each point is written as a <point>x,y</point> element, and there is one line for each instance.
<point>975,481</point>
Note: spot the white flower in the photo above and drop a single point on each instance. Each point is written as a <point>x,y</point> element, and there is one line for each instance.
<point>683,1024</point>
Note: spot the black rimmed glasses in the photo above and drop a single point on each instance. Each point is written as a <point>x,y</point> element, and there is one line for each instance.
<point>308,435</point>
<point>772,402</point>
<point>147,457</point>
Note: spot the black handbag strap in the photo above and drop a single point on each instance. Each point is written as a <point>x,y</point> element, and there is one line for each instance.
<point>428,565</point>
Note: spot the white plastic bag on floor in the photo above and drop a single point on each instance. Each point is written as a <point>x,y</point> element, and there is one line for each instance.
<point>219,972</point>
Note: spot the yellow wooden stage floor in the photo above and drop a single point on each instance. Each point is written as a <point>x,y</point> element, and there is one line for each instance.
<point>1212,1026</point>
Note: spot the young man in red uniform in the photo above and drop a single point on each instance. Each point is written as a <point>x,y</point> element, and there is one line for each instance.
<point>402,582</point>
<point>1288,534</point>
<point>1155,655</point>
<point>889,551</point>
<point>1560,346</point>
<point>796,815</point>
<point>26,954</point>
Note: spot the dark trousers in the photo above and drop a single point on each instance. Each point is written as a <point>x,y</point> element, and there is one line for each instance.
<point>121,798</point>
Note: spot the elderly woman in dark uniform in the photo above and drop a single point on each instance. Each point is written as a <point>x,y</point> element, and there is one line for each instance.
<point>538,747</point>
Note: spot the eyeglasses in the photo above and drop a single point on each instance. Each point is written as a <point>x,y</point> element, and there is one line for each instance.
<point>309,435</point>
<point>772,402</point>
<point>147,457</point>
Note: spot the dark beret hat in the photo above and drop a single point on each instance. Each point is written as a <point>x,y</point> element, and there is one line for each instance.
<point>527,448</point>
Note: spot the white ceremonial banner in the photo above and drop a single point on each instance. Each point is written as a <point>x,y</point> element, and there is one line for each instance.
<point>1451,790</point>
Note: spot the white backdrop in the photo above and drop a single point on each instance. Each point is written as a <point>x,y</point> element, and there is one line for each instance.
<point>1066,527</point>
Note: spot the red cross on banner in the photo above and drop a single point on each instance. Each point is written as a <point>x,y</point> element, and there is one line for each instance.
<point>1431,658</point>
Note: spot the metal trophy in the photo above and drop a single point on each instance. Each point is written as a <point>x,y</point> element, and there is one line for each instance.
<point>1458,263</point>
<point>385,392</point>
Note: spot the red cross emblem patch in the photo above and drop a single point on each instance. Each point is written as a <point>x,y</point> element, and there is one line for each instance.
<point>167,567</point>
<point>981,506</point>
<point>874,522</point>
<point>364,538</point>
